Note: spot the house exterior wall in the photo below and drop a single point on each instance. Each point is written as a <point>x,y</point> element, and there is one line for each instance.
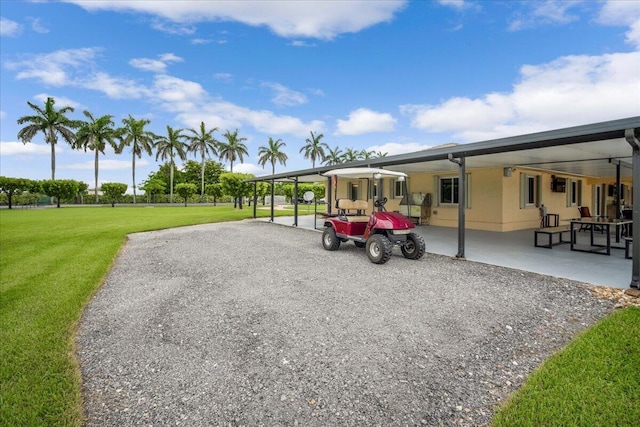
<point>494,200</point>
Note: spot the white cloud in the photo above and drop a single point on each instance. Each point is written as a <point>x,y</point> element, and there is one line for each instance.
<point>9,28</point>
<point>457,4</point>
<point>201,41</point>
<point>623,13</point>
<point>302,43</point>
<point>364,120</point>
<point>174,28</point>
<point>316,19</point>
<point>225,77</point>
<point>155,65</point>
<point>37,26</point>
<point>285,97</point>
<point>2,114</point>
<point>54,68</point>
<point>113,87</point>
<point>188,99</point>
<point>19,148</point>
<point>250,168</point>
<point>571,90</point>
<point>61,101</point>
<point>548,12</point>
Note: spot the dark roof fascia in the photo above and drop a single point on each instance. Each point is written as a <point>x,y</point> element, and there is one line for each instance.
<point>574,135</point>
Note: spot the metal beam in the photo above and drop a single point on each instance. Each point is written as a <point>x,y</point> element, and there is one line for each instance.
<point>255,199</point>
<point>295,202</point>
<point>632,136</point>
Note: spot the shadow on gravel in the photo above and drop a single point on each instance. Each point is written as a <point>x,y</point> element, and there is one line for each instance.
<point>251,323</point>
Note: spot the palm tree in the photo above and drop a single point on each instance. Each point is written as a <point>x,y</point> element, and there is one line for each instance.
<point>168,146</point>
<point>94,135</point>
<point>272,154</point>
<point>140,140</point>
<point>380,154</point>
<point>314,149</point>
<point>50,122</point>
<point>202,141</point>
<point>334,157</point>
<point>351,155</point>
<point>233,149</point>
<point>366,155</point>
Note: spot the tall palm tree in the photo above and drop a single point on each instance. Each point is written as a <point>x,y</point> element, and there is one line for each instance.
<point>366,155</point>
<point>203,142</point>
<point>333,157</point>
<point>140,141</point>
<point>314,149</point>
<point>167,147</point>
<point>233,149</point>
<point>94,135</point>
<point>50,122</point>
<point>351,155</point>
<point>272,154</point>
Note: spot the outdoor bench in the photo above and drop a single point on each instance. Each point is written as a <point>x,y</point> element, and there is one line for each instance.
<point>550,232</point>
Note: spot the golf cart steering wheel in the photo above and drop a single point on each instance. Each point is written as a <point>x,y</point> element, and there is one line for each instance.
<point>379,203</point>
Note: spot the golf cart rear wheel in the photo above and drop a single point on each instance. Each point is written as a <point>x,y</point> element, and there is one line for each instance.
<point>329,239</point>
<point>378,249</point>
<point>413,247</point>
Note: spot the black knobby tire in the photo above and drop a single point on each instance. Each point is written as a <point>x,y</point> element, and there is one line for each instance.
<point>378,249</point>
<point>359,244</point>
<point>329,239</point>
<point>413,247</point>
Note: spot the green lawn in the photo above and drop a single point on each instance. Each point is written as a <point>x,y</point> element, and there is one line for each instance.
<point>51,263</point>
<point>53,260</point>
<point>593,382</point>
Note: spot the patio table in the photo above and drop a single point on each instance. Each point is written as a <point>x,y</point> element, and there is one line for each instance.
<point>605,224</point>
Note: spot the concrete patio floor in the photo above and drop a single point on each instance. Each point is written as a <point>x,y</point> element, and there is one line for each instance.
<point>516,250</point>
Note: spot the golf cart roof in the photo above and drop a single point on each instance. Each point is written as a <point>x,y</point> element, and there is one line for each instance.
<point>363,173</point>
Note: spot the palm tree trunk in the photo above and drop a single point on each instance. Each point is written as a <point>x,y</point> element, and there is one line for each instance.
<point>53,160</point>
<point>133,168</point>
<point>96,166</point>
<point>202,177</point>
<point>171,182</point>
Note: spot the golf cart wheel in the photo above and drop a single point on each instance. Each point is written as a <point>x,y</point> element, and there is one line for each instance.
<point>360,244</point>
<point>329,239</point>
<point>378,249</point>
<point>413,247</point>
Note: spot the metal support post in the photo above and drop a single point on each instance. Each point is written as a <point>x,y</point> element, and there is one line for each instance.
<point>632,136</point>
<point>295,205</point>
<point>461,203</point>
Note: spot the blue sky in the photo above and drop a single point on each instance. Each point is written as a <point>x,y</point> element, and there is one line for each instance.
<point>384,76</point>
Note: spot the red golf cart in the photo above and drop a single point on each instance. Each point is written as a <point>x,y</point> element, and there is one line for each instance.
<point>377,232</point>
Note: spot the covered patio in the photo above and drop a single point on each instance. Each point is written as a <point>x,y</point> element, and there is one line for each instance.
<point>514,249</point>
<point>598,152</point>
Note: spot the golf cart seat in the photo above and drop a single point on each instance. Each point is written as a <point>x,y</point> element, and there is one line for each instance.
<point>345,206</point>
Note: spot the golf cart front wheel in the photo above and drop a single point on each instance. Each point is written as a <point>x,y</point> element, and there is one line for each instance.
<point>378,249</point>
<point>413,248</point>
<point>329,239</point>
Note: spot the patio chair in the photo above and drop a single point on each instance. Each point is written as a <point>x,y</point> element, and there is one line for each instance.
<point>586,213</point>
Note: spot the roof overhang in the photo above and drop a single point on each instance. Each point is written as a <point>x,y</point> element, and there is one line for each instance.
<point>592,151</point>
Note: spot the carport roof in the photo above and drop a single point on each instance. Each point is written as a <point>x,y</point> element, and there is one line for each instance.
<point>590,150</point>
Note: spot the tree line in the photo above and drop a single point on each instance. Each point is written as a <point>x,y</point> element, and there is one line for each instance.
<point>96,133</point>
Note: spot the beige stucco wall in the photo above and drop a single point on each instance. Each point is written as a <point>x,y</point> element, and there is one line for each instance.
<point>494,199</point>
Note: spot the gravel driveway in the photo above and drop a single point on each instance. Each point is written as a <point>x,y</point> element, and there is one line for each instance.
<point>250,323</point>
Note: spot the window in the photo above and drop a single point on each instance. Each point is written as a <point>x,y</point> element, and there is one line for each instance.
<point>448,190</point>
<point>353,189</point>
<point>374,190</point>
<point>398,189</point>
<point>574,192</point>
<point>530,190</point>
<point>531,193</point>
